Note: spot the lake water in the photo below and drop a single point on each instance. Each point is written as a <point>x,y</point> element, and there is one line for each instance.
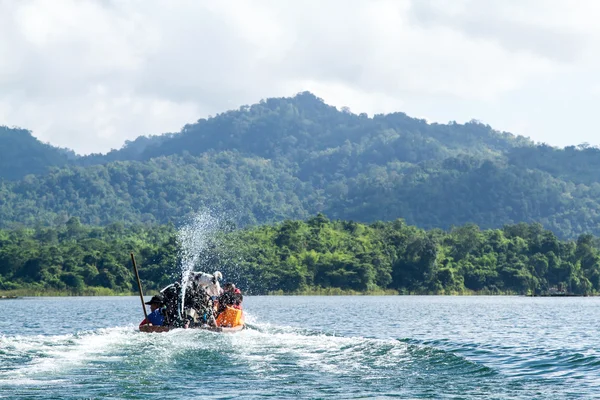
<point>408,347</point>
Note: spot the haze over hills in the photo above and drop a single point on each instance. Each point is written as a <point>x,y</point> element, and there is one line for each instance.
<point>293,157</point>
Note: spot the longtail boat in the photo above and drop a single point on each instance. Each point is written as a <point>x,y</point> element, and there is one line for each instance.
<point>222,329</point>
<point>231,320</point>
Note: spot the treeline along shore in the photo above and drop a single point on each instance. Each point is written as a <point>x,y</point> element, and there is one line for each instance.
<point>316,255</point>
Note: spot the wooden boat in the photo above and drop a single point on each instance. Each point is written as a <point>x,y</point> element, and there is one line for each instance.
<point>222,329</point>
<point>231,320</point>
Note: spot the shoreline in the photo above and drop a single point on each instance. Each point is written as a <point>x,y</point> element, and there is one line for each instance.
<point>5,296</point>
<point>101,292</point>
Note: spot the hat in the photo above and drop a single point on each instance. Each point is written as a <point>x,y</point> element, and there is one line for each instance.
<point>155,299</point>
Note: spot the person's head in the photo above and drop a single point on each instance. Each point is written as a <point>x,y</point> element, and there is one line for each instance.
<point>155,302</point>
<point>229,287</point>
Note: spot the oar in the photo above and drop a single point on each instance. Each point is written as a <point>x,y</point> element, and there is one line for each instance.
<point>137,275</point>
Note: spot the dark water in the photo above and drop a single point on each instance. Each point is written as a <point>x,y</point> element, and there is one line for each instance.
<point>307,347</point>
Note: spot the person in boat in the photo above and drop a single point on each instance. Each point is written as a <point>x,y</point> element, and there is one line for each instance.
<point>229,312</point>
<point>198,306</point>
<point>231,297</point>
<point>197,309</point>
<point>171,306</point>
<point>156,316</point>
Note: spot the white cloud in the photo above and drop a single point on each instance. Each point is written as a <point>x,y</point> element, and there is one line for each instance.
<point>90,74</point>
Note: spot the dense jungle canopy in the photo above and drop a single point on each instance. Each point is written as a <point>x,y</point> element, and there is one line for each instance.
<point>320,198</point>
<point>296,256</point>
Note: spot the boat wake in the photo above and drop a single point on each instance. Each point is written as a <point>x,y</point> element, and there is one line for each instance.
<point>29,359</point>
<point>264,359</point>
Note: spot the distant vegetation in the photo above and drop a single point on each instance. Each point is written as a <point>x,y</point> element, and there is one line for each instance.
<point>21,154</point>
<point>516,217</point>
<point>295,256</point>
<point>290,158</point>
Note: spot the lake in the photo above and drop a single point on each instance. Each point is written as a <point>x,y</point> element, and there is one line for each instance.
<point>347,347</point>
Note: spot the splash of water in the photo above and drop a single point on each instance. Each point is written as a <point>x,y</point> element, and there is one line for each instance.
<point>194,239</point>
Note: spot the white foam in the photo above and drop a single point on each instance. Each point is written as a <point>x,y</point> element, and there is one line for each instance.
<point>317,352</point>
<point>55,354</point>
<point>31,382</point>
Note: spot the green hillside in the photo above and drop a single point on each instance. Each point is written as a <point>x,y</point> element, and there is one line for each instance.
<point>294,157</point>
<point>22,154</point>
<point>315,255</point>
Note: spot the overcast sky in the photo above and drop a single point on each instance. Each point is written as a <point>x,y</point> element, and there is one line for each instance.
<point>90,74</point>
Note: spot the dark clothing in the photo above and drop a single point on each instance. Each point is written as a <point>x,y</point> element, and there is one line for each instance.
<point>155,300</point>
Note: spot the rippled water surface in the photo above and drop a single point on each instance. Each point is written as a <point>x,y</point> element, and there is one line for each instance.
<point>307,347</point>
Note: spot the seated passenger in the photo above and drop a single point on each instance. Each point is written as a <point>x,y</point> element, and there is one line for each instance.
<point>231,297</point>
<point>156,316</point>
<point>230,312</point>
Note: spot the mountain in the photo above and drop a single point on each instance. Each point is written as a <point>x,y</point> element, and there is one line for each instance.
<point>304,126</point>
<point>22,154</point>
<point>294,157</point>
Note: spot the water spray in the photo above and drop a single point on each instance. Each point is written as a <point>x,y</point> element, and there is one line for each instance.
<point>194,239</point>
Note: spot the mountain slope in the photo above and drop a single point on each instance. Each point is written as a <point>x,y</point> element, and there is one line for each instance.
<point>294,128</point>
<point>293,157</point>
<point>22,154</point>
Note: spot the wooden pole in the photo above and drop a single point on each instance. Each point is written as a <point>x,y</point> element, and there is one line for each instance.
<point>137,275</point>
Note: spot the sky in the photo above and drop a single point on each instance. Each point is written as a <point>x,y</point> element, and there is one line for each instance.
<point>90,74</point>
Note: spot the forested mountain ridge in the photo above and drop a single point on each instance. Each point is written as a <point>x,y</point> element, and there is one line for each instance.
<point>22,154</point>
<point>293,157</point>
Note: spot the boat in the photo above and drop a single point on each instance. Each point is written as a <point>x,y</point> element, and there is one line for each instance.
<point>197,306</point>
<point>231,320</point>
<point>221,329</point>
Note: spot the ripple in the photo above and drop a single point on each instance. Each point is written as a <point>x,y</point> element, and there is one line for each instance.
<point>447,348</point>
